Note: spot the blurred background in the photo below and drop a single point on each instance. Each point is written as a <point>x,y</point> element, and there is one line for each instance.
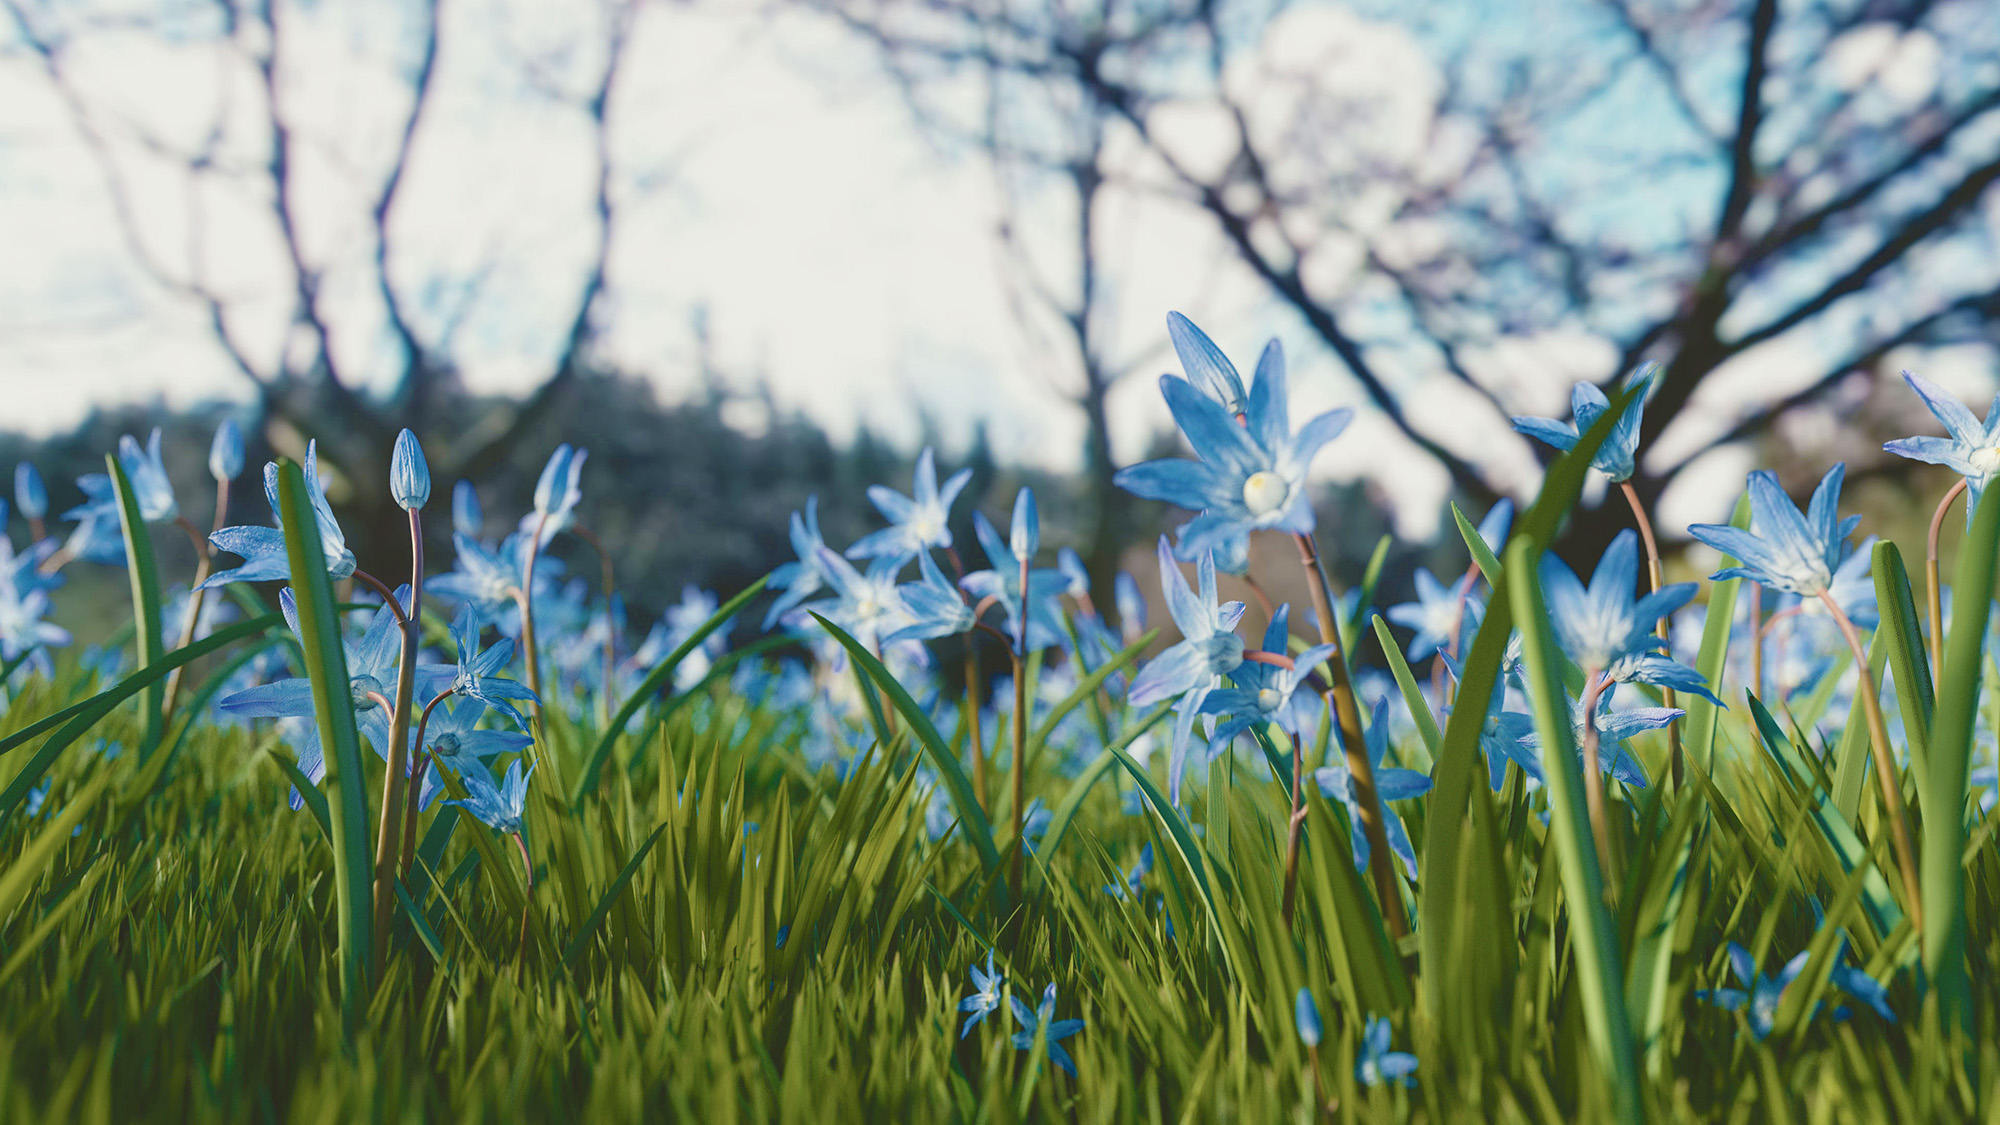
<point>750,250</point>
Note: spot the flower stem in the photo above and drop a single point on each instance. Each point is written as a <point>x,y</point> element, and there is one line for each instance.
<point>1756,638</point>
<point>972,721</point>
<point>387,837</point>
<point>204,559</point>
<point>1298,823</point>
<point>1656,577</point>
<point>610,637</point>
<point>1020,763</point>
<point>416,788</point>
<point>1593,776</point>
<point>1361,772</point>
<point>524,597</point>
<point>1885,764</point>
<point>1932,576</point>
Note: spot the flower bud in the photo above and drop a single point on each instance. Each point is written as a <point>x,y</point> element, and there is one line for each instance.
<point>409,476</point>
<point>225,453</point>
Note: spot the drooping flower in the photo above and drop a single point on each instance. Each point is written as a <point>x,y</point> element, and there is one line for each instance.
<point>917,522</point>
<point>409,473</point>
<point>936,606</point>
<point>1789,550</point>
<point>1249,476</point>
<point>1972,450</point>
<point>1194,666</point>
<point>225,452</point>
<point>263,548</point>
<point>1391,784</point>
<point>1606,630</point>
<point>498,807</point>
<point>1041,1022</point>
<point>1305,1014</point>
<point>1437,615</point>
<point>1616,458</point>
<point>148,474</point>
<point>1002,580</point>
<point>467,518</point>
<point>803,578</point>
<point>985,999</point>
<point>557,492</point>
<point>1375,1064</point>
<point>1268,693</point>
<point>30,494</point>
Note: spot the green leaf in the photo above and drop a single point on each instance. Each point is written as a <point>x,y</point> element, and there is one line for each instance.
<point>81,717</point>
<point>1907,659</point>
<point>1482,555</point>
<point>1942,783</point>
<point>1713,657</point>
<point>1413,696</point>
<point>144,571</point>
<point>971,818</point>
<point>1593,934</point>
<point>581,940</point>
<point>419,923</point>
<point>326,668</point>
<point>310,797</point>
<point>659,677</point>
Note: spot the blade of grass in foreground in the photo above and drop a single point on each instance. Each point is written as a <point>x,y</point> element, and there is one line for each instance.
<point>1942,784</point>
<point>1593,934</point>
<point>326,668</point>
<point>145,574</point>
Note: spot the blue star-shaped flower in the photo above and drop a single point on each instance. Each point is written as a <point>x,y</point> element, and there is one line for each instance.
<point>1616,458</point>
<point>1609,632</point>
<point>938,607</point>
<point>1052,1031</point>
<point>478,673</point>
<point>1337,784</point>
<point>1972,450</point>
<point>1194,666</point>
<point>1002,582</point>
<point>1267,693</point>
<point>985,1000</point>
<point>1436,616</point>
<point>498,807</point>
<point>1375,1064</point>
<point>1788,550</point>
<point>804,577</point>
<point>917,523</point>
<point>263,548</point>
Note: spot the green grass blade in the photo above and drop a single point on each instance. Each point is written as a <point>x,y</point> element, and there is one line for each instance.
<point>1073,800</point>
<point>309,794</point>
<point>1370,578</point>
<point>1907,660</point>
<point>94,710</point>
<point>1593,934</point>
<point>1413,695</point>
<point>1658,913</point>
<point>1710,661</point>
<point>1482,556</point>
<point>581,941</point>
<point>340,741</point>
<point>1942,784</point>
<point>1851,760</point>
<point>656,679</point>
<point>1458,766</point>
<point>144,571</point>
<point>971,818</point>
<point>1039,737</point>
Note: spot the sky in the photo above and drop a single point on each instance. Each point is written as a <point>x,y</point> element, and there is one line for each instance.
<point>767,176</point>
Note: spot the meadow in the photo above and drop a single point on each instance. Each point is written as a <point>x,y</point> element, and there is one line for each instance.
<point>319,838</point>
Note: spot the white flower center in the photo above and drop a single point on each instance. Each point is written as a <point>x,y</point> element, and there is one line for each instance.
<point>925,527</point>
<point>1986,460</point>
<point>1268,699</point>
<point>1264,493</point>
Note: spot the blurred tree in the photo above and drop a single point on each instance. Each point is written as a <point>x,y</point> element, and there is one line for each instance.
<point>289,219</point>
<point>1459,200</point>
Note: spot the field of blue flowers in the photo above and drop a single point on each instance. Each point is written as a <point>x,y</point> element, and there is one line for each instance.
<point>326,838</point>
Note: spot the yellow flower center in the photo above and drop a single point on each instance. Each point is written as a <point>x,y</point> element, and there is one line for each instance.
<point>1264,493</point>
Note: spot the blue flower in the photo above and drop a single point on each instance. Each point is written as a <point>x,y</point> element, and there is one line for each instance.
<point>1788,550</point>
<point>466,516</point>
<point>1505,735</point>
<point>499,808</point>
<point>1268,693</point>
<point>1337,784</point>
<point>1052,1031</point>
<point>1614,728</point>
<point>1436,615</point>
<point>1972,451</point>
<point>681,622</point>
<point>986,999</point>
<point>486,578</point>
<point>1194,666</point>
<point>1205,365</point>
<point>225,452</point>
<point>937,606</point>
<point>454,738</point>
<point>557,492</point>
<point>1759,996</point>
<point>1002,582</point>
<point>868,606</point>
<point>1248,477</point>
<point>1608,632</point>
<point>409,473</point>
<point>22,605</point>
<point>1375,1064</point>
<point>917,523</point>
<point>1305,1014</point>
<point>99,536</point>
<point>1130,884</point>
<point>805,577</point>
<point>477,673</point>
<point>1131,606</point>
<point>1616,457</point>
<point>148,474</point>
<point>30,494</point>
<point>263,548</point>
